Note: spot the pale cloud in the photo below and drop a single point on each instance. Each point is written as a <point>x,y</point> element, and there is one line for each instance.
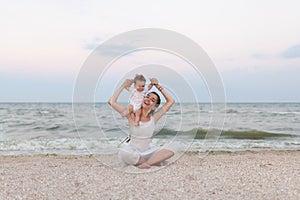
<point>292,52</point>
<point>93,44</point>
<point>109,50</point>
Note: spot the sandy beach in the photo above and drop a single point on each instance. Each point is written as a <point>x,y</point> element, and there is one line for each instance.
<point>239,175</point>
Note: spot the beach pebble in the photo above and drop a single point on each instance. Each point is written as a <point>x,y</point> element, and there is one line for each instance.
<point>240,175</point>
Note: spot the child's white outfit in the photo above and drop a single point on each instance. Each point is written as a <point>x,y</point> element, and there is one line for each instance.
<point>136,98</point>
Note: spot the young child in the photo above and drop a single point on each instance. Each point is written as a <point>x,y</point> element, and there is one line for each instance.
<point>137,95</point>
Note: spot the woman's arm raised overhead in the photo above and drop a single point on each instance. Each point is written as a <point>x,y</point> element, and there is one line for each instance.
<point>113,100</point>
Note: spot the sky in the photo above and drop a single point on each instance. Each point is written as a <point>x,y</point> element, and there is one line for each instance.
<point>255,45</point>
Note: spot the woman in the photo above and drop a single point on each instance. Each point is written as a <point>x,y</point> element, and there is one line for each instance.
<point>139,152</point>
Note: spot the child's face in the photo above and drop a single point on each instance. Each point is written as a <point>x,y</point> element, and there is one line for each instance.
<point>139,85</point>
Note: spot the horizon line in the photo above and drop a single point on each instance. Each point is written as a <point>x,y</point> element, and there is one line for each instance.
<point>206,102</point>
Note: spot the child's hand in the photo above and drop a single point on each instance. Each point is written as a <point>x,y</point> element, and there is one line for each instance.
<point>127,83</point>
<point>154,81</point>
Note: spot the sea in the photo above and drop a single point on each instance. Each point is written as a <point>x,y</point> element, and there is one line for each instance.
<point>86,129</point>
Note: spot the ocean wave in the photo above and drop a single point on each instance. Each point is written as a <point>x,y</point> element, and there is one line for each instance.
<point>80,146</point>
<point>55,127</point>
<point>231,111</point>
<point>227,134</point>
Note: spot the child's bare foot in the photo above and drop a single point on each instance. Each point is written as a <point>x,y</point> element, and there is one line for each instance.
<point>137,123</point>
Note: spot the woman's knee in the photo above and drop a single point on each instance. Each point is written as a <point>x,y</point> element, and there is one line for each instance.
<point>128,157</point>
<point>167,153</point>
<point>170,153</point>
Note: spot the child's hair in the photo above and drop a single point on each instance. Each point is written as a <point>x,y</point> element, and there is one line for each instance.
<point>139,77</point>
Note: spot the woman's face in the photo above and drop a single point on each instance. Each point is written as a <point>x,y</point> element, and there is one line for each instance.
<point>150,101</point>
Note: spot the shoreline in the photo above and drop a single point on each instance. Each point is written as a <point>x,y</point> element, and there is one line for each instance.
<point>268,174</point>
<point>90,155</point>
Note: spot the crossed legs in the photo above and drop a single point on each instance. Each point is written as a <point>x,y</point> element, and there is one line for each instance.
<point>156,159</point>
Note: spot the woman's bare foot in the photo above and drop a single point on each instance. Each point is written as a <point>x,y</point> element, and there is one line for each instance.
<point>144,166</point>
<point>160,164</point>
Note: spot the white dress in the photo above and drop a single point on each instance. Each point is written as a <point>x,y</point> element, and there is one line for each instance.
<point>139,145</point>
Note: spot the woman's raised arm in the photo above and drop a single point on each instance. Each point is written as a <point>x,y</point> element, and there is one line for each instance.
<point>113,100</point>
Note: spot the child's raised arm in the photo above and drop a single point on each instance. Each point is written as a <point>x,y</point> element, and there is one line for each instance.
<point>153,81</point>
<point>127,87</point>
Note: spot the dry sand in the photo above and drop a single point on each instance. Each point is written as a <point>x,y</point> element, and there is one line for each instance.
<point>240,175</point>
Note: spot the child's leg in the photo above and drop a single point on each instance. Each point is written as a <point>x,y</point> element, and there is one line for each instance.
<point>132,115</point>
<point>137,117</point>
<point>130,108</point>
